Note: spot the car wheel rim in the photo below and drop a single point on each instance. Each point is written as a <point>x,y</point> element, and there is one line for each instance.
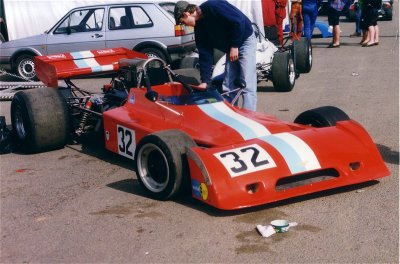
<point>151,55</point>
<point>154,63</point>
<point>26,68</point>
<point>292,73</point>
<point>153,168</point>
<point>19,124</point>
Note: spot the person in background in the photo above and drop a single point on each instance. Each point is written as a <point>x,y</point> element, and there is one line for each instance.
<point>274,12</point>
<point>296,20</point>
<point>220,25</point>
<point>309,12</point>
<point>334,8</point>
<point>371,22</point>
<point>363,24</point>
<point>270,28</point>
<point>357,11</point>
<point>280,14</point>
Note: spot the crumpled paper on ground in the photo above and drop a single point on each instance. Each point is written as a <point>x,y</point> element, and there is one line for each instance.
<point>268,230</point>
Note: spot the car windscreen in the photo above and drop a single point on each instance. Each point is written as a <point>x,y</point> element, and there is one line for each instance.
<point>208,96</point>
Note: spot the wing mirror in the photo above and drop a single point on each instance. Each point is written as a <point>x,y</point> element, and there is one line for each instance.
<point>240,83</point>
<point>151,95</point>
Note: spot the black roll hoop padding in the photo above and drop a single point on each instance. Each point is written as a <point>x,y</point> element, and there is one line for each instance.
<point>177,77</point>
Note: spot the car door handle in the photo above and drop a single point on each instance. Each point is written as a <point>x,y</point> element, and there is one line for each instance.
<point>97,35</point>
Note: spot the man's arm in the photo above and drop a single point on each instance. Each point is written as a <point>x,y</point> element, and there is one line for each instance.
<point>206,62</point>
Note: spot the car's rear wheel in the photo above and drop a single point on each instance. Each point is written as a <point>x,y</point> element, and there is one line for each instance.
<point>283,72</point>
<point>161,165</point>
<point>25,67</point>
<point>39,120</point>
<point>324,116</point>
<point>303,54</point>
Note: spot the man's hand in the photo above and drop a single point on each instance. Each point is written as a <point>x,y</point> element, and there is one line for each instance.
<point>234,54</point>
<point>202,85</point>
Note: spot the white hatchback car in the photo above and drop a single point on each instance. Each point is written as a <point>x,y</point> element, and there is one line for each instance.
<point>148,27</point>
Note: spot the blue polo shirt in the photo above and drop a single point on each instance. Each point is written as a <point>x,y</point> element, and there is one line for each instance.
<point>221,26</point>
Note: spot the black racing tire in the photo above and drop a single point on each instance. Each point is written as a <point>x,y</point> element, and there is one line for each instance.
<point>303,54</point>
<point>189,62</point>
<point>161,164</point>
<point>325,116</point>
<point>217,54</point>
<point>154,52</point>
<point>283,72</point>
<point>25,67</point>
<point>39,120</point>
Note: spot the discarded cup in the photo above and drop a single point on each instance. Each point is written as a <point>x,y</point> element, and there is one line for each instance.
<point>280,226</point>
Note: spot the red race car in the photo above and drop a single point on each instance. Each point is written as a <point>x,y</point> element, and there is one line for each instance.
<point>182,137</point>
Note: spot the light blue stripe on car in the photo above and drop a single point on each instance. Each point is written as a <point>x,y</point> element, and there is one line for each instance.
<point>81,64</point>
<point>246,127</point>
<point>298,155</point>
<point>77,55</point>
<point>82,54</point>
<point>84,59</point>
<point>97,69</point>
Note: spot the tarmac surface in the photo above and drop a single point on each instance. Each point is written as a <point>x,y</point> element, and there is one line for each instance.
<point>81,204</point>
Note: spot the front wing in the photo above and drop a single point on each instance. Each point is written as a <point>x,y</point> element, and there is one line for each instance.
<point>284,165</point>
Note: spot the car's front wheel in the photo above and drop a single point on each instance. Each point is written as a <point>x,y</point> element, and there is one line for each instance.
<point>324,116</point>
<point>161,165</point>
<point>25,67</point>
<point>283,72</point>
<point>39,120</point>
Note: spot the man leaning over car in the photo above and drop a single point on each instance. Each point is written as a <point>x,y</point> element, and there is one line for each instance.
<point>220,25</point>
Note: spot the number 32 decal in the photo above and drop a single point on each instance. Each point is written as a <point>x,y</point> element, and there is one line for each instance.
<point>245,160</point>
<point>126,142</point>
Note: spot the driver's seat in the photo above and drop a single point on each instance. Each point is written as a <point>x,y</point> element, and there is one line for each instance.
<point>125,22</point>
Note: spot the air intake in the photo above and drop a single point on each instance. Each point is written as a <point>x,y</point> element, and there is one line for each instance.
<point>305,179</point>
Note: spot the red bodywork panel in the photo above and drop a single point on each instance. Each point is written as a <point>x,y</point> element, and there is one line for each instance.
<point>51,68</point>
<point>222,173</point>
<point>243,158</point>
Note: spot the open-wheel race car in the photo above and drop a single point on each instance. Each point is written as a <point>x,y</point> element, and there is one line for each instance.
<point>281,65</point>
<point>181,137</point>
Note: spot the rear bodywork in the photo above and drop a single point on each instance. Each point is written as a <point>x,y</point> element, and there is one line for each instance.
<point>242,158</point>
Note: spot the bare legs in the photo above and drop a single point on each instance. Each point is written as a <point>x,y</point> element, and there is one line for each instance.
<point>365,37</point>
<point>336,35</point>
<point>373,36</point>
<point>376,34</point>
